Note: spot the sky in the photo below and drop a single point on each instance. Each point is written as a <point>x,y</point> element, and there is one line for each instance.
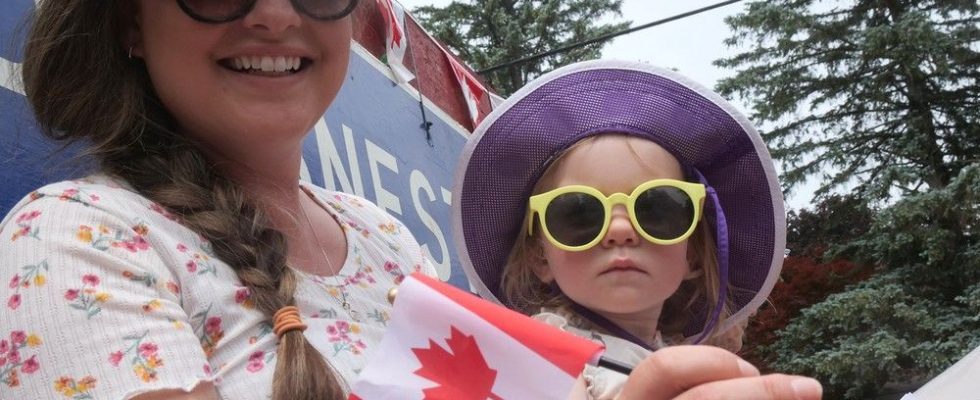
<point>689,45</point>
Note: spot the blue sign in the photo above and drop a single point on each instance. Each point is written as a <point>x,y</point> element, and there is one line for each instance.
<point>371,142</point>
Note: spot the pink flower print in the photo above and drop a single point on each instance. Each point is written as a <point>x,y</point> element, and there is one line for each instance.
<point>31,274</point>
<point>12,363</point>
<point>18,338</point>
<point>173,287</point>
<point>134,245</point>
<point>360,279</point>
<point>340,337</point>
<point>256,361</point>
<point>88,298</point>
<point>242,297</point>
<point>105,238</point>
<point>148,350</point>
<point>181,248</point>
<point>90,280</point>
<point>160,210</point>
<point>213,326</point>
<point>207,370</point>
<point>199,262</point>
<point>94,197</point>
<point>208,330</point>
<point>25,217</point>
<point>145,362</point>
<point>30,366</point>
<point>115,358</point>
<point>392,267</point>
<point>68,194</point>
<point>13,356</point>
<point>25,229</point>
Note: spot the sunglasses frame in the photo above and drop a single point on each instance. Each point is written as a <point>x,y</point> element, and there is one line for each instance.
<point>539,203</point>
<point>248,5</point>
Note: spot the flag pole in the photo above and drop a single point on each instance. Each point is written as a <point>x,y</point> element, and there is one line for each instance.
<point>614,365</point>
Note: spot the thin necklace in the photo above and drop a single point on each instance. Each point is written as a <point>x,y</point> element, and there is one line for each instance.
<point>343,293</point>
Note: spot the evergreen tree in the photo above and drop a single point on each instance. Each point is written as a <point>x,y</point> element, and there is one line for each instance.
<point>486,33</point>
<point>879,98</point>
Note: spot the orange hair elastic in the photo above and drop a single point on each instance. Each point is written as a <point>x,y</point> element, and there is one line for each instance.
<point>287,319</point>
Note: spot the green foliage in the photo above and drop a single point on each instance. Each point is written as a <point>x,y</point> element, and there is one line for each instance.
<point>486,33</point>
<point>836,219</point>
<point>880,331</point>
<point>882,93</point>
<point>880,98</point>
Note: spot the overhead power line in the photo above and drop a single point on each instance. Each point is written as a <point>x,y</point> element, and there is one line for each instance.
<point>606,36</point>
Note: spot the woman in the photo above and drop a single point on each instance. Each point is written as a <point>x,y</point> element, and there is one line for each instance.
<point>181,269</point>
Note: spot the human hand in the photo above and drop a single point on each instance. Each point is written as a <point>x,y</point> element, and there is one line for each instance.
<point>706,372</point>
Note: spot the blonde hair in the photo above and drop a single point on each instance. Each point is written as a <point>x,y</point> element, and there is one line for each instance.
<point>83,88</point>
<point>524,291</point>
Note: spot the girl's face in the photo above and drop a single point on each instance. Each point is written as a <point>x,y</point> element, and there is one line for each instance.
<point>199,71</point>
<point>624,276</point>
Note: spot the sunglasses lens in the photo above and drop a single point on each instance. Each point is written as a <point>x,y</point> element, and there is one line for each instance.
<point>216,10</point>
<point>664,212</point>
<point>326,9</point>
<point>575,219</point>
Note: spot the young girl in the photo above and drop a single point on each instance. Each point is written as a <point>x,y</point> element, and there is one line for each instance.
<point>624,203</point>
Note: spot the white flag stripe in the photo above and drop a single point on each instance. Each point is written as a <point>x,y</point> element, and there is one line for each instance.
<point>462,77</point>
<point>396,51</point>
<point>521,373</point>
<point>9,77</point>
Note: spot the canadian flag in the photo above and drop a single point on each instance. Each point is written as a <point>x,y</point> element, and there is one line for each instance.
<point>396,41</point>
<point>473,90</point>
<point>443,343</point>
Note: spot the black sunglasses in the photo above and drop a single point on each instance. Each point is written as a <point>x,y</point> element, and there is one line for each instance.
<point>221,11</point>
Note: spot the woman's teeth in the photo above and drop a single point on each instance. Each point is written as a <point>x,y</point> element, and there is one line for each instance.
<point>267,64</point>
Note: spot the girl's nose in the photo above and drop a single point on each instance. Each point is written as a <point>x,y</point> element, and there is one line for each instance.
<point>273,16</point>
<point>620,232</point>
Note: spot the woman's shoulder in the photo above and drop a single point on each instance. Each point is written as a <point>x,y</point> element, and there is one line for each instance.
<point>97,210</point>
<point>99,192</point>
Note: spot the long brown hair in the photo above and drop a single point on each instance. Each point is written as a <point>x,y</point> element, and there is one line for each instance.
<point>84,88</point>
<point>523,289</point>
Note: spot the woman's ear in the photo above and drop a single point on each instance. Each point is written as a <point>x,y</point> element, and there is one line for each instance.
<point>132,34</point>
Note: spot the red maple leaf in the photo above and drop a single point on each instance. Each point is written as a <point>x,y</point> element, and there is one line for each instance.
<point>461,375</point>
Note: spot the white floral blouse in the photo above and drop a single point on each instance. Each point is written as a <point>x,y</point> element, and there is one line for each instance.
<point>105,296</point>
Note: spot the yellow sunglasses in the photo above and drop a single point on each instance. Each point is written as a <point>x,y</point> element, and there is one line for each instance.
<point>576,217</point>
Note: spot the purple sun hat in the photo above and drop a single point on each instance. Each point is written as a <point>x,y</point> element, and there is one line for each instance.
<point>514,145</point>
